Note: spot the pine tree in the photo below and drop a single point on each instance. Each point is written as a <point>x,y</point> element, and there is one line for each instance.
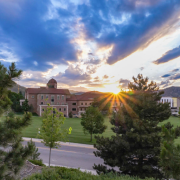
<point>135,147</point>
<point>170,152</point>
<point>25,106</point>
<point>10,128</point>
<point>93,122</point>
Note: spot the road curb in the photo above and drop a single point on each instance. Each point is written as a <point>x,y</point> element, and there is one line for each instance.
<point>62,143</point>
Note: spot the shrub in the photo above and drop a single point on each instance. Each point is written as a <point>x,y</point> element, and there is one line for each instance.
<point>62,173</point>
<point>36,162</point>
<point>70,115</point>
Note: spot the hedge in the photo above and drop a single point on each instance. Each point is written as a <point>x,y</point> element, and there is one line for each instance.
<point>62,173</point>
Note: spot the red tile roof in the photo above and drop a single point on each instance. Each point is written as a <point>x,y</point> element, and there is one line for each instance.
<point>89,96</point>
<point>47,91</point>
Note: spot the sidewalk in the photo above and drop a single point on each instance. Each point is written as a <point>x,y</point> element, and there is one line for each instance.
<point>62,143</point>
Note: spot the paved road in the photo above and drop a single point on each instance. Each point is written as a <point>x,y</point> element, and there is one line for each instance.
<point>69,154</point>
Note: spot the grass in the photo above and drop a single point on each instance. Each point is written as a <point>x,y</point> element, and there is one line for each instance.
<point>77,135</point>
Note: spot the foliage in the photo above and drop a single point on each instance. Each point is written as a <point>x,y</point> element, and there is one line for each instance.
<point>92,121</point>
<point>35,155</point>
<point>102,105</point>
<point>170,153</point>
<point>37,162</point>
<point>15,99</point>
<point>10,129</point>
<point>70,115</point>
<point>51,130</point>
<point>62,173</point>
<point>179,111</point>
<point>25,106</point>
<point>136,146</point>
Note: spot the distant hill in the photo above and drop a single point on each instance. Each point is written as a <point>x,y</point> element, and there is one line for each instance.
<point>172,92</point>
<point>15,89</point>
<point>76,92</point>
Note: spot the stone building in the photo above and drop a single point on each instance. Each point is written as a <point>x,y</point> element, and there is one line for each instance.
<point>61,99</point>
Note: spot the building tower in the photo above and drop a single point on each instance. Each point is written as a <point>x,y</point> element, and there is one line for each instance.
<point>52,83</point>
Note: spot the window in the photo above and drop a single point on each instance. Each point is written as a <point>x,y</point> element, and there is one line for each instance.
<point>81,103</point>
<point>73,109</point>
<point>85,103</point>
<point>74,104</point>
<point>62,97</point>
<point>41,102</point>
<point>42,96</point>
<point>47,96</point>
<point>64,109</point>
<point>58,97</point>
<point>89,103</point>
<point>81,109</point>
<point>32,97</point>
<point>59,109</point>
<point>57,103</point>
<point>42,109</point>
<point>52,98</point>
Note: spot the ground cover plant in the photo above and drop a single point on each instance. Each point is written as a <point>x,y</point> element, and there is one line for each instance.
<point>61,173</point>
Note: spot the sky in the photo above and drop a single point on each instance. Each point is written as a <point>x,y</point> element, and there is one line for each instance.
<point>89,45</point>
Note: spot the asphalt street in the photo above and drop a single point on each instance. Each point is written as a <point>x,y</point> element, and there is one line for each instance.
<point>69,155</point>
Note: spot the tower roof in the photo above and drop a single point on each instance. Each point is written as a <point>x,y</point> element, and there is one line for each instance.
<point>52,81</point>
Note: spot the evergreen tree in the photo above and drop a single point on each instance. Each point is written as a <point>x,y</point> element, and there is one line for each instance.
<point>35,155</point>
<point>170,152</point>
<point>10,128</point>
<point>92,121</point>
<point>136,146</point>
<point>51,129</point>
<point>25,106</point>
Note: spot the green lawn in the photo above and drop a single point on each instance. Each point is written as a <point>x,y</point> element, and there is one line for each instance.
<point>77,134</point>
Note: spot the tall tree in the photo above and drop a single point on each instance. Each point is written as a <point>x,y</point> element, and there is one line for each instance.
<point>93,121</point>
<point>15,99</point>
<point>136,146</point>
<point>12,159</point>
<point>170,152</point>
<point>51,129</point>
<point>25,106</point>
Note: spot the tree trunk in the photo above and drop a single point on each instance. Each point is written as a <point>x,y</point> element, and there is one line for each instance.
<point>91,138</point>
<point>49,156</point>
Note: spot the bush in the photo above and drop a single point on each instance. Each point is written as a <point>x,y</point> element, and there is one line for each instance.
<point>62,173</point>
<point>36,162</point>
<point>70,115</point>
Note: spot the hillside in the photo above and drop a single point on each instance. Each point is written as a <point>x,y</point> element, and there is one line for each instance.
<point>15,89</point>
<point>172,92</point>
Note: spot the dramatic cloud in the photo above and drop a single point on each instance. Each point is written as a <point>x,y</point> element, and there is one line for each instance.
<point>105,76</point>
<point>73,76</point>
<point>175,77</point>
<point>168,56</point>
<point>165,84</point>
<point>175,70</point>
<point>166,75</point>
<point>29,33</point>
<point>124,83</point>
<point>127,25</point>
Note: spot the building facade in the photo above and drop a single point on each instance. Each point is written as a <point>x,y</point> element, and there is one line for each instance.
<point>174,103</point>
<point>61,99</point>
